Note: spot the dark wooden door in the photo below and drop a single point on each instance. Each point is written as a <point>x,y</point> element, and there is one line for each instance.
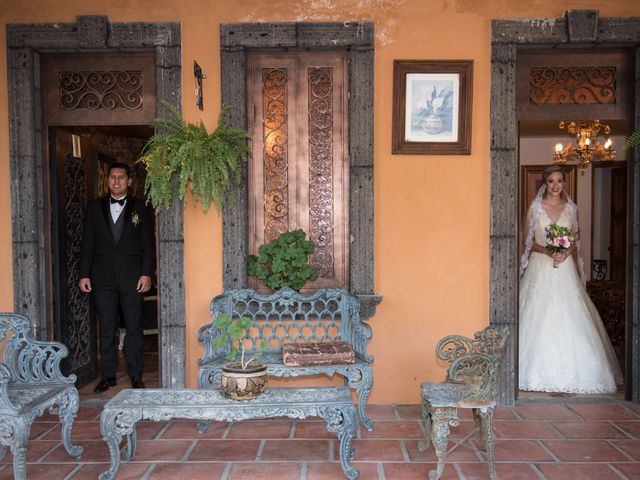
<point>299,168</point>
<point>75,321</point>
<point>618,224</point>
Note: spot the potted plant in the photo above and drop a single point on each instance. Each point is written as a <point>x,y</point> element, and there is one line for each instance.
<point>284,261</point>
<point>181,154</point>
<point>247,378</point>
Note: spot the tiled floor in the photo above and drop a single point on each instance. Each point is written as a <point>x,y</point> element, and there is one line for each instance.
<point>534,441</point>
<point>575,438</point>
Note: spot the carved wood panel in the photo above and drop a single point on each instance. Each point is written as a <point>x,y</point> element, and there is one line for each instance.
<point>99,89</point>
<point>298,171</point>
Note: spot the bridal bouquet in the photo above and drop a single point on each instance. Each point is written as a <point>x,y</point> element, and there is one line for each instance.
<point>559,239</point>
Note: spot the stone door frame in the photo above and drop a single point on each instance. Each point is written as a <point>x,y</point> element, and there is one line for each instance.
<point>357,39</point>
<point>576,29</point>
<point>90,34</point>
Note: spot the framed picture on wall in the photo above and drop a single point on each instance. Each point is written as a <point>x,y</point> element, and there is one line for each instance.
<point>101,164</point>
<point>432,102</point>
<point>531,181</point>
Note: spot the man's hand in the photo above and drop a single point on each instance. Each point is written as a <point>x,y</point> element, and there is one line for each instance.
<point>85,285</point>
<point>144,284</point>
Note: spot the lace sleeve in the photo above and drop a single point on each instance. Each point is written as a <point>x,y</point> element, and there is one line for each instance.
<point>529,226</point>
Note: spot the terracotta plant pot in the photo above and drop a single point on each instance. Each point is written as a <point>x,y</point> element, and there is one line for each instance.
<point>243,384</point>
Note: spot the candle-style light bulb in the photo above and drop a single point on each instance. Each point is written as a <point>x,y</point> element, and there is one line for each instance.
<point>587,142</point>
<point>607,144</point>
<point>558,147</point>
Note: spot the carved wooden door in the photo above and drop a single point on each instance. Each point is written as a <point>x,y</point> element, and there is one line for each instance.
<point>299,168</point>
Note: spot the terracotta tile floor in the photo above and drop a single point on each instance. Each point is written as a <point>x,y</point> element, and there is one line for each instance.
<point>577,438</point>
<point>552,441</point>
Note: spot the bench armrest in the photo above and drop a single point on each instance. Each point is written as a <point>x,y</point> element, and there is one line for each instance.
<point>479,372</point>
<point>360,333</point>
<point>5,378</point>
<point>30,361</point>
<point>206,335</point>
<point>453,346</point>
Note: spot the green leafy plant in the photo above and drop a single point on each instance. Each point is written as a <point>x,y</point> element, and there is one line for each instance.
<point>633,140</point>
<point>284,261</point>
<point>231,333</point>
<point>208,162</point>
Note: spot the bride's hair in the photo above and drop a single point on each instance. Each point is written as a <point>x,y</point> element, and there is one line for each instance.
<point>547,172</point>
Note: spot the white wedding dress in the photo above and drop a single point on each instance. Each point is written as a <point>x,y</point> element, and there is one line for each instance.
<point>562,341</point>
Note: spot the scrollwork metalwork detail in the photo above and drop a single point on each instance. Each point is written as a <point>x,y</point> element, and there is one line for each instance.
<point>276,150</point>
<point>100,90</point>
<point>321,222</point>
<point>79,328</point>
<point>572,85</point>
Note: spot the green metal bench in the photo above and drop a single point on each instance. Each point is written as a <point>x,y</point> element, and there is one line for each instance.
<point>328,314</point>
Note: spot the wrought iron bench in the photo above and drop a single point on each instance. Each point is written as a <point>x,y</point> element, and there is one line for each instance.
<point>30,383</point>
<point>122,412</point>
<point>471,382</point>
<point>287,316</point>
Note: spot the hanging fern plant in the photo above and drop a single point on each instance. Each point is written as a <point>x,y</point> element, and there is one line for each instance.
<point>209,163</point>
<point>633,140</point>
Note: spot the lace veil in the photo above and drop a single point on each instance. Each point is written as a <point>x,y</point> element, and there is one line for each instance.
<point>533,222</point>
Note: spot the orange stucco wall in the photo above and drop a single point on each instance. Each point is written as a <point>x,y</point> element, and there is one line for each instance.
<point>431,212</point>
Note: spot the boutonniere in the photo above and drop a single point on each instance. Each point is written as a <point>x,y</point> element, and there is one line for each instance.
<point>135,219</point>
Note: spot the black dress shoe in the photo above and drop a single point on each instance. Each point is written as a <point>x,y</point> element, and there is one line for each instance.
<point>104,384</point>
<point>137,383</point>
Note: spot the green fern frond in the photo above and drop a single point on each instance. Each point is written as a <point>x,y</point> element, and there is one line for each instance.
<point>183,155</point>
<point>633,140</point>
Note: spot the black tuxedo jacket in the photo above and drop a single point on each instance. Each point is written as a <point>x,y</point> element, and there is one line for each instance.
<point>110,263</point>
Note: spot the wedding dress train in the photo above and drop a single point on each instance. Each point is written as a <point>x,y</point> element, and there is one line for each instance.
<point>562,342</point>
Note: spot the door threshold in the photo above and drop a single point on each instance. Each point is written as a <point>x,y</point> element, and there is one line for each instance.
<point>527,398</point>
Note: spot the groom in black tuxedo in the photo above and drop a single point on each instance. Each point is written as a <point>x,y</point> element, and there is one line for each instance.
<point>116,265</point>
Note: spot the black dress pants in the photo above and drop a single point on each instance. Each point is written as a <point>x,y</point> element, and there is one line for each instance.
<point>108,300</point>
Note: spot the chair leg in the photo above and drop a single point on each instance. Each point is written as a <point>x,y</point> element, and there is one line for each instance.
<point>19,448</point>
<point>69,404</point>
<point>486,421</point>
<point>361,379</point>
<point>19,462</point>
<point>426,422</point>
<point>481,437</point>
<point>441,417</point>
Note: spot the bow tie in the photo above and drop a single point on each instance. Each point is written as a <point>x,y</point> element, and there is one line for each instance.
<point>121,201</point>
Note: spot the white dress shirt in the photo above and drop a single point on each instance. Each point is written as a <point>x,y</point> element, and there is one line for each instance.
<point>116,209</point>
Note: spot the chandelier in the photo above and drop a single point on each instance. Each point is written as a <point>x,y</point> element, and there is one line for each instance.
<point>588,149</point>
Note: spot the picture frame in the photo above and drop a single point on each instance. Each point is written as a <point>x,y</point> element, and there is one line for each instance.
<point>432,106</point>
<point>101,162</point>
<point>531,180</point>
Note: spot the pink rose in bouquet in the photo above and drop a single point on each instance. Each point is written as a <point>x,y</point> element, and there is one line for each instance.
<point>559,239</point>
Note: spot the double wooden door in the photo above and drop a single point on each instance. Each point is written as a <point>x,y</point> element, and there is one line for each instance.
<point>299,167</point>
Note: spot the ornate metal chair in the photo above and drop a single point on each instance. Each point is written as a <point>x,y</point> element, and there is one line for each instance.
<point>30,383</point>
<point>471,382</point>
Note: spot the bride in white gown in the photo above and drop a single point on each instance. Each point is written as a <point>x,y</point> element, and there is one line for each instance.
<point>563,344</point>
